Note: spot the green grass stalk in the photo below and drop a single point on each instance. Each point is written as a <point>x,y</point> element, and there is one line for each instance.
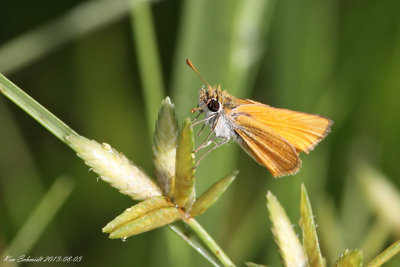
<point>149,61</point>
<point>33,108</point>
<point>40,217</point>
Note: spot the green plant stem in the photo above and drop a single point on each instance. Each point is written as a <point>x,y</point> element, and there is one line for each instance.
<point>209,242</point>
<point>149,65</point>
<point>33,108</point>
<point>175,227</point>
<point>385,255</point>
<point>40,217</point>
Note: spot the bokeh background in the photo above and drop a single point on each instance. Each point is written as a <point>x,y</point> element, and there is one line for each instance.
<point>103,68</point>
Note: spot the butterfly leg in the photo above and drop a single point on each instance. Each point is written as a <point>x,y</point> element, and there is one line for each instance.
<point>224,141</point>
<point>197,116</point>
<point>206,142</point>
<point>201,130</point>
<point>203,120</point>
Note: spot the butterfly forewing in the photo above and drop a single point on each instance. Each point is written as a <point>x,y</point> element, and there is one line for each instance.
<point>302,130</point>
<point>266,146</point>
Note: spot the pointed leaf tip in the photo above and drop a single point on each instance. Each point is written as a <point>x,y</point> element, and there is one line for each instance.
<point>150,221</point>
<point>350,258</point>
<point>212,194</point>
<point>307,224</point>
<point>136,211</point>
<point>252,264</point>
<point>184,193</point>
<point>290,249</point>
<point>164,146</point>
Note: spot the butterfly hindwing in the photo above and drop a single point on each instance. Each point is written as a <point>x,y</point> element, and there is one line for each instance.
<point>266,146</point>
<point>302,130</point>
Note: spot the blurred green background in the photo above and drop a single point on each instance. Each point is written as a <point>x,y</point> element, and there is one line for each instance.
<point>103,67</point>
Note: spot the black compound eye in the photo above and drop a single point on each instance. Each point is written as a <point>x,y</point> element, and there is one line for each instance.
<point>213,105</point>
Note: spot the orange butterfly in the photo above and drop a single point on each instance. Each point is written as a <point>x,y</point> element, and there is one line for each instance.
<point>273,137</point>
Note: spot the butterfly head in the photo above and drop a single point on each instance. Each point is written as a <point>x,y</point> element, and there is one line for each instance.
<point>211,100</point>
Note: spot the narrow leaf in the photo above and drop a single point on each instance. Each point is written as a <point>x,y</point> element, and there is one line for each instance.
<point>136,211</point>
<point>251,264</point>
<point>291,251</point>
<point>350,258</point>
<point>34,109</point>
<point>310,238</point>
<point>148,59</point>
<point>210,196</point>
<point>164,147</point>
<point>184,193</point>
<point>386,255</point>
<point>202,234</point>
<point>40,218</point>
<point>148,222</point>
<point>189,237</point>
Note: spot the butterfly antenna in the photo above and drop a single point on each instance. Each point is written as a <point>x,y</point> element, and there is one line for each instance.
<point>198,73</point>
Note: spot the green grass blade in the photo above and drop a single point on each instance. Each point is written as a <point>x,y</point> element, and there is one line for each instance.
<point>385,255</point>
<point>209,242</point>
<point>250,22</point>
<point>80,21</point>
<point>179,229</point>
<point>310,238</point>
<point>41,217</point>
<point>252,264</point>
<point>291,251</point>
<point>149,62</point>
<point>34,109</point>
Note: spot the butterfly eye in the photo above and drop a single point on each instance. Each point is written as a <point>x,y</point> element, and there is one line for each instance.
<point>213,105</point>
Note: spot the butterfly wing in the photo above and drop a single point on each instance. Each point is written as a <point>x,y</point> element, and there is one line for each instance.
<point>266,146</point>
<point>302,130</point>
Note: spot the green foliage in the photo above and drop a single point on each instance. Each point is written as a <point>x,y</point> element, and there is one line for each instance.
<point>185,192</point>
<point>78,59</point>
<point>309,231</point>
<point>292,252</point>
<point>212,194</point>
<point>137,211</point>
<point>350,258</point>
<point>164,147</point>
<point>147,222</point>
<point>385,255</point>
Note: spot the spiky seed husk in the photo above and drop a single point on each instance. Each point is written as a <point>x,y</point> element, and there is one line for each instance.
<point>164,146</point>
<point>114,168</point>
<point>148,222</point>
<point>137,211</point>
<point>291,251</point>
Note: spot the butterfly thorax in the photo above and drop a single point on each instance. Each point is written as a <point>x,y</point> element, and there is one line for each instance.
<point>217,106</point>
